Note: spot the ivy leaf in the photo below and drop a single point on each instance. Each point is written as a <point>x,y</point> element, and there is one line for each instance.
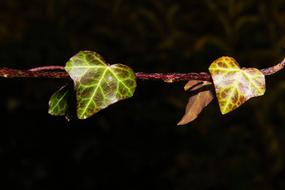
<point>58,103</point>
<point>201,96</point>
<point>98,84</point>
<point>235,85</point>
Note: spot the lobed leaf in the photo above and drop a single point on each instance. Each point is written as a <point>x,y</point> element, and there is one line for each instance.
<point>234,85</point>
<point>97,84</point>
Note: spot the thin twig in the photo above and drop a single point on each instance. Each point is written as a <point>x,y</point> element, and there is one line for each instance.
<point>174,77</point>
<point>274,69</point>
<point>16,73</point>
<point>50,72</point>
<point>47,68</point>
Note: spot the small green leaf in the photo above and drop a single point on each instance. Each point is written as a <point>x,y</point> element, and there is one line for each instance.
<point>58,103</point>
<point>235,85</point>
<point>97,84</point>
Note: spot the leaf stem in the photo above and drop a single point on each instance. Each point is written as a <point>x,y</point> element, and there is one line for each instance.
<point>53,71</point>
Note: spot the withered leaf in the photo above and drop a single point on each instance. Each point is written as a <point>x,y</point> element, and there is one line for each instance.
<point>201,97</point>
<point>195,84</point>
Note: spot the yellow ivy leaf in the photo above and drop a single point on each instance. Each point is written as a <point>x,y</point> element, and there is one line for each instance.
<point>235,85</point>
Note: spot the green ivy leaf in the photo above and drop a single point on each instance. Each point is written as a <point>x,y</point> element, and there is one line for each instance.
<point>235,85</point>
<point>58,103</point>
<point>98,84</point>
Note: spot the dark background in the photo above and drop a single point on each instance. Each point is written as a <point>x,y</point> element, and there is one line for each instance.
<point>135,144</point>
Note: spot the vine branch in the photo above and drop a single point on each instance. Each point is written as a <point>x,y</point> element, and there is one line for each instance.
<point>58,72</point>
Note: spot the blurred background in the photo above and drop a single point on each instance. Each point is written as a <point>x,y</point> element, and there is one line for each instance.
<point>135,144</point>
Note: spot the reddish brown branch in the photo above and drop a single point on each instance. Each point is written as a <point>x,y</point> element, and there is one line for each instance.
<point>16,73</point>
<point>47,68</point>
<point>50,72</point>
<point>274,69</point>
<point>173,77</point>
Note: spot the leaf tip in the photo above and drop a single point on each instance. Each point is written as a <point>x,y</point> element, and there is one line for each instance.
<point>224,112</point>
<point>81,115</point>
<point>182,122</point>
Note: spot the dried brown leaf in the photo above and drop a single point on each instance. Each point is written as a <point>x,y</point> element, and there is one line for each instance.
<point>196,103</point>
<point>195,84</point>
